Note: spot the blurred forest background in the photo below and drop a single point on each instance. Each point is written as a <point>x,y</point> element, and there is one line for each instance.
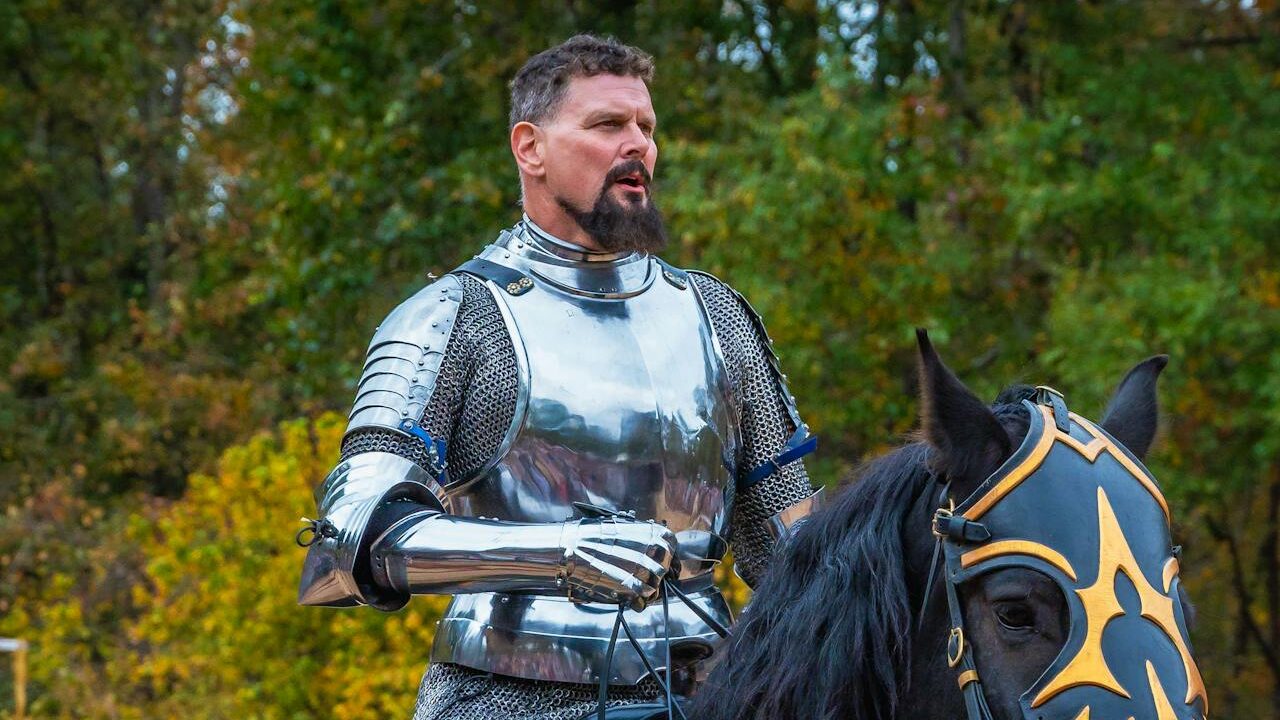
<point>206,206</point>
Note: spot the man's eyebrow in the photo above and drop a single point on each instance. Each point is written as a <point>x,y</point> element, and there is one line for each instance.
<point>597,115</point>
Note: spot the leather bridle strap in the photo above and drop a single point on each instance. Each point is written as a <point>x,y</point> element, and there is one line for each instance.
<point>960,658</point>
<point>950,528</point>
<point>937,552</point>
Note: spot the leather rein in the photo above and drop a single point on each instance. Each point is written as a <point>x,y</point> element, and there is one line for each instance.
<point>667,588</point>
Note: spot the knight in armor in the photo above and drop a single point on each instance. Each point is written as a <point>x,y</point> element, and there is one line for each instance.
<point>561,425</point>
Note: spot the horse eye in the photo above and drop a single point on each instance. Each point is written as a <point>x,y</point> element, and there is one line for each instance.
<point>1015,616</point>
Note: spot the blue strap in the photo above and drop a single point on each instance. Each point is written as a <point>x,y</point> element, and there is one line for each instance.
<point>436,448</point>
<point>800,444</point>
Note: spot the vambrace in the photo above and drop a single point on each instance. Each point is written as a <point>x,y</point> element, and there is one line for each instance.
<point>590,559</point>
<point>438,554</point>
<point>360,494</point>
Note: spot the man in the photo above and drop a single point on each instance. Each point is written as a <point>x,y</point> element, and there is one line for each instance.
<point>561,426</point>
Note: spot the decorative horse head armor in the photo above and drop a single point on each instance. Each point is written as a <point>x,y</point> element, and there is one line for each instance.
<point>1066,504</point>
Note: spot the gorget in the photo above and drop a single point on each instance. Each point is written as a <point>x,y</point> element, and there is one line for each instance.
<point>625,404</point>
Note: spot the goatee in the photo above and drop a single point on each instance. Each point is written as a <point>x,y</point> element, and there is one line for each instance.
<point>635,224</point>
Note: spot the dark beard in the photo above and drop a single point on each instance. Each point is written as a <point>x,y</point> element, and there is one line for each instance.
<point>617,227</point>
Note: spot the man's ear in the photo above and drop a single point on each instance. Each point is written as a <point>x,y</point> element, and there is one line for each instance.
<point>1132,415</point>
<point>969,442</point>
<point>526,146</point>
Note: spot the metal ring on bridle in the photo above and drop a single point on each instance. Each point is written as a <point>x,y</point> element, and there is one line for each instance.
<point>955,647</point>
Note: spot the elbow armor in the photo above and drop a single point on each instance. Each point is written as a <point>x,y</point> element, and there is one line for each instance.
<point>399,376</point>
<point>782,525</point>
<point>336,571</point>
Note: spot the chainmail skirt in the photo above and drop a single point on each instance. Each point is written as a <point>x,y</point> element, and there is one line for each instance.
<point>453,692</point>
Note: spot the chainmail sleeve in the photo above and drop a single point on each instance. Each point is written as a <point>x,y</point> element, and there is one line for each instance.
<point>474,399</point>
<point>765,424</point>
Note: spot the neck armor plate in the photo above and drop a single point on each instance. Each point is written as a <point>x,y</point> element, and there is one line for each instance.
<point>1075,505</point>
<point>624,404</point>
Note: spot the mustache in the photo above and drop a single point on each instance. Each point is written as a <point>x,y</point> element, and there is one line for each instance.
<point>630,167</point>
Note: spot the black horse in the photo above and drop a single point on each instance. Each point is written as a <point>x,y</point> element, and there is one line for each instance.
<point>848,623</point>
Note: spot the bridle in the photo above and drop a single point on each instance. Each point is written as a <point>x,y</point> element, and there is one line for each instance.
<point>1001,524</point>
<point>959,651</point>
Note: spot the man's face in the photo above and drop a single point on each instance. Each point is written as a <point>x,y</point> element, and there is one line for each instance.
<point>599,161</point>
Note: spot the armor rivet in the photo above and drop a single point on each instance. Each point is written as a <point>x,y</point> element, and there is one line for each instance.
<point>443,298</point>
<point>435,324</point>
<point>520,244</point>
<point>506,255</point>
<point>415,380</point>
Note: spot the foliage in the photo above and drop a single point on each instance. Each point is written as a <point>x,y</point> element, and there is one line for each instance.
<point>207,206</point>
<point>213,630</point>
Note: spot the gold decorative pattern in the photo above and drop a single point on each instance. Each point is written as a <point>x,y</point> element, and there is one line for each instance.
<point>1016,475</point>
<point>1170,572</point>
<point>1101,606</point>
<point>1089,451</point>
<point>1018,547</point>
<point>1123,458</point>
<point>1164,709</point>
<point>1084,714</point>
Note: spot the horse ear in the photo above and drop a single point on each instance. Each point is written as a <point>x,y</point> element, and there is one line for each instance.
<point>969,441</point>
<point>1131,415</point>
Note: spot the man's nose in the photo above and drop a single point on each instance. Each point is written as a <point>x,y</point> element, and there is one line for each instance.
<point>636,143</point>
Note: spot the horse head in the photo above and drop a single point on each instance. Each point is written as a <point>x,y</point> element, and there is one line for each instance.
<point>1058,596</point>
<point>1014,564</point>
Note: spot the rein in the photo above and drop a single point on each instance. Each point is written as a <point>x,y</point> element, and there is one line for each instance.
<point>666,588</point>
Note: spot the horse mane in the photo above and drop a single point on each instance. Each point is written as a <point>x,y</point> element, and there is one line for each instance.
<point>828,631</point>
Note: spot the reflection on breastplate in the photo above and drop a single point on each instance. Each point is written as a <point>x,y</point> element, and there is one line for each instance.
<point>625,405</point>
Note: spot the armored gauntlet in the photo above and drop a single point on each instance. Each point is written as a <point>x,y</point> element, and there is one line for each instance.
<point>615,560</point>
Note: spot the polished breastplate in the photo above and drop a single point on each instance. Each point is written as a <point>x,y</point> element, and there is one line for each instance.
<point>625,405</point>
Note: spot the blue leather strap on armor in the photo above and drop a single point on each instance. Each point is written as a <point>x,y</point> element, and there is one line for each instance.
<point>800,444</point>
<point>436,447</point>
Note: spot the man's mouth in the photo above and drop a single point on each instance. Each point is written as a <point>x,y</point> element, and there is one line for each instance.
<point>633,181</point>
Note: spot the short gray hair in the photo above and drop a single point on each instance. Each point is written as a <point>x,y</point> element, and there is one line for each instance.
<point>540,85</point>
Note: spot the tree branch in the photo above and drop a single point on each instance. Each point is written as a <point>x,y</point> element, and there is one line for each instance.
<point>1243,598</point>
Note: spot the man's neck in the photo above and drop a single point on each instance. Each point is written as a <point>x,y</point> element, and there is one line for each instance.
<point>554,221</point>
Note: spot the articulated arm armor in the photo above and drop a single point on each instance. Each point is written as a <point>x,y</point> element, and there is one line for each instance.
<point>425,550</point>
<point>367,491</point>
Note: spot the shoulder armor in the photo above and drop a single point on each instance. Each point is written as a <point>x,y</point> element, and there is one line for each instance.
<point>404,358</point>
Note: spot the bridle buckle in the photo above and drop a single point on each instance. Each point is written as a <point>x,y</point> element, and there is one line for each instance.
<point>941,518</point>
<point>955,647</point>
